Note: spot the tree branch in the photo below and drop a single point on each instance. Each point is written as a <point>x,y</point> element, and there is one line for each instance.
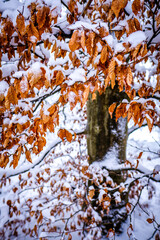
<point>20,171</point>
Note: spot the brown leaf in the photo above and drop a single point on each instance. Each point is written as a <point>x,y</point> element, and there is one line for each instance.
<point>21,24</point>
<point>149,220</point>
<point>59,78</point>
<point>158,83</point>
<point>24,87</point>
<point>149,123</point>
<point>15,160</point>
<point>34,78</point>
<point>136,6</point>
<point>107,80</point>
<point>74,42</point>
<point>90,43</point>
<point>41,144</point>
<point>28,156</point>
<point>31,30</point>
<point>128,207</point>
<point>136,50</point>
<point>41,17</point>
<point>140,155</point>
<point>157,18</point>
<point>111,109</point>
<point>83,40</point>
<point>129,76</point>
<point>11,97</point>
<point>91,194</point>
<point>85,95</point>
<point>63,133</point>
<point>94,96</point>
<point>117,5</point>
<point>68,136</point>
<point>111,72</point>
<point>39,220</point>
<point>104,54</point>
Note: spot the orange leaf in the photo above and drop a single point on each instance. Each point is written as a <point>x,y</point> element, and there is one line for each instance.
<point>111,109</point>
<point>74,43</point>
<point>59,78</point>
<point>117,5</point>
<point>16,156</point>
<point>136,6</point>
<point>40,218</point>
<point>91,194</point>
<point>90,43</point>
<point>11,97</point>
<point>149,123</point>
<point>28,156</point>
<point>94,96</point>
<point>68,136</point>
<point>85,95</point>
<point>128,207</point>
<point>63,133</point>
<point>21,24</point>
<point>104,54</point>
<point>111,72</point>
<point>129,76</point>
<point>41,17</point>
<point>149,220</point>
<point>15,160</point>
<point>158,20</point>
<point>140,155</point>
<point>83,40</point>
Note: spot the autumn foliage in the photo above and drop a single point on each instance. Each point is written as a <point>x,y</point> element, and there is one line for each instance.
<point>22,39</point>
<point>71,49</point>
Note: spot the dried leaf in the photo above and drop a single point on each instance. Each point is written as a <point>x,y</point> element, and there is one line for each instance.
<point>136,6</point>
<point>90,43</point>
<point>117,5</point>
<point>41,17</point>
<point>74,42</point>
<point>91,194</point>
<point>149,122</point>
<point>158,83</point>
<point>129,76</point>
<point>68,136</point>
<point>111,109</point>
<point>11,97</point>
<point>39,220</point>
<point>94,96</point>
<point>59,78</point>
<point>63,133</point>
<point>28,156</point>
<point>85,95</point>
<point>83,39</point>
<point>157,18</point>
<point>140,155</point>
<point>21,24</point>
<point>150,220</point>
<point>128,207</point>
<point>111,72</point>
<point>104,54</point>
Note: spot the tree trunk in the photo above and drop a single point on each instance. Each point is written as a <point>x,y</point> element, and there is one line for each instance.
<point>107,139</point>
<point>105,134</point>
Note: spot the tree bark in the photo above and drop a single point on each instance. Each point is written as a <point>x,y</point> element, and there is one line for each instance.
<point>105,134</point>
<point>107,139</point>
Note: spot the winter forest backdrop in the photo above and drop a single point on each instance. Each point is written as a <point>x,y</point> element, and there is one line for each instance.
<point>80,119</point>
